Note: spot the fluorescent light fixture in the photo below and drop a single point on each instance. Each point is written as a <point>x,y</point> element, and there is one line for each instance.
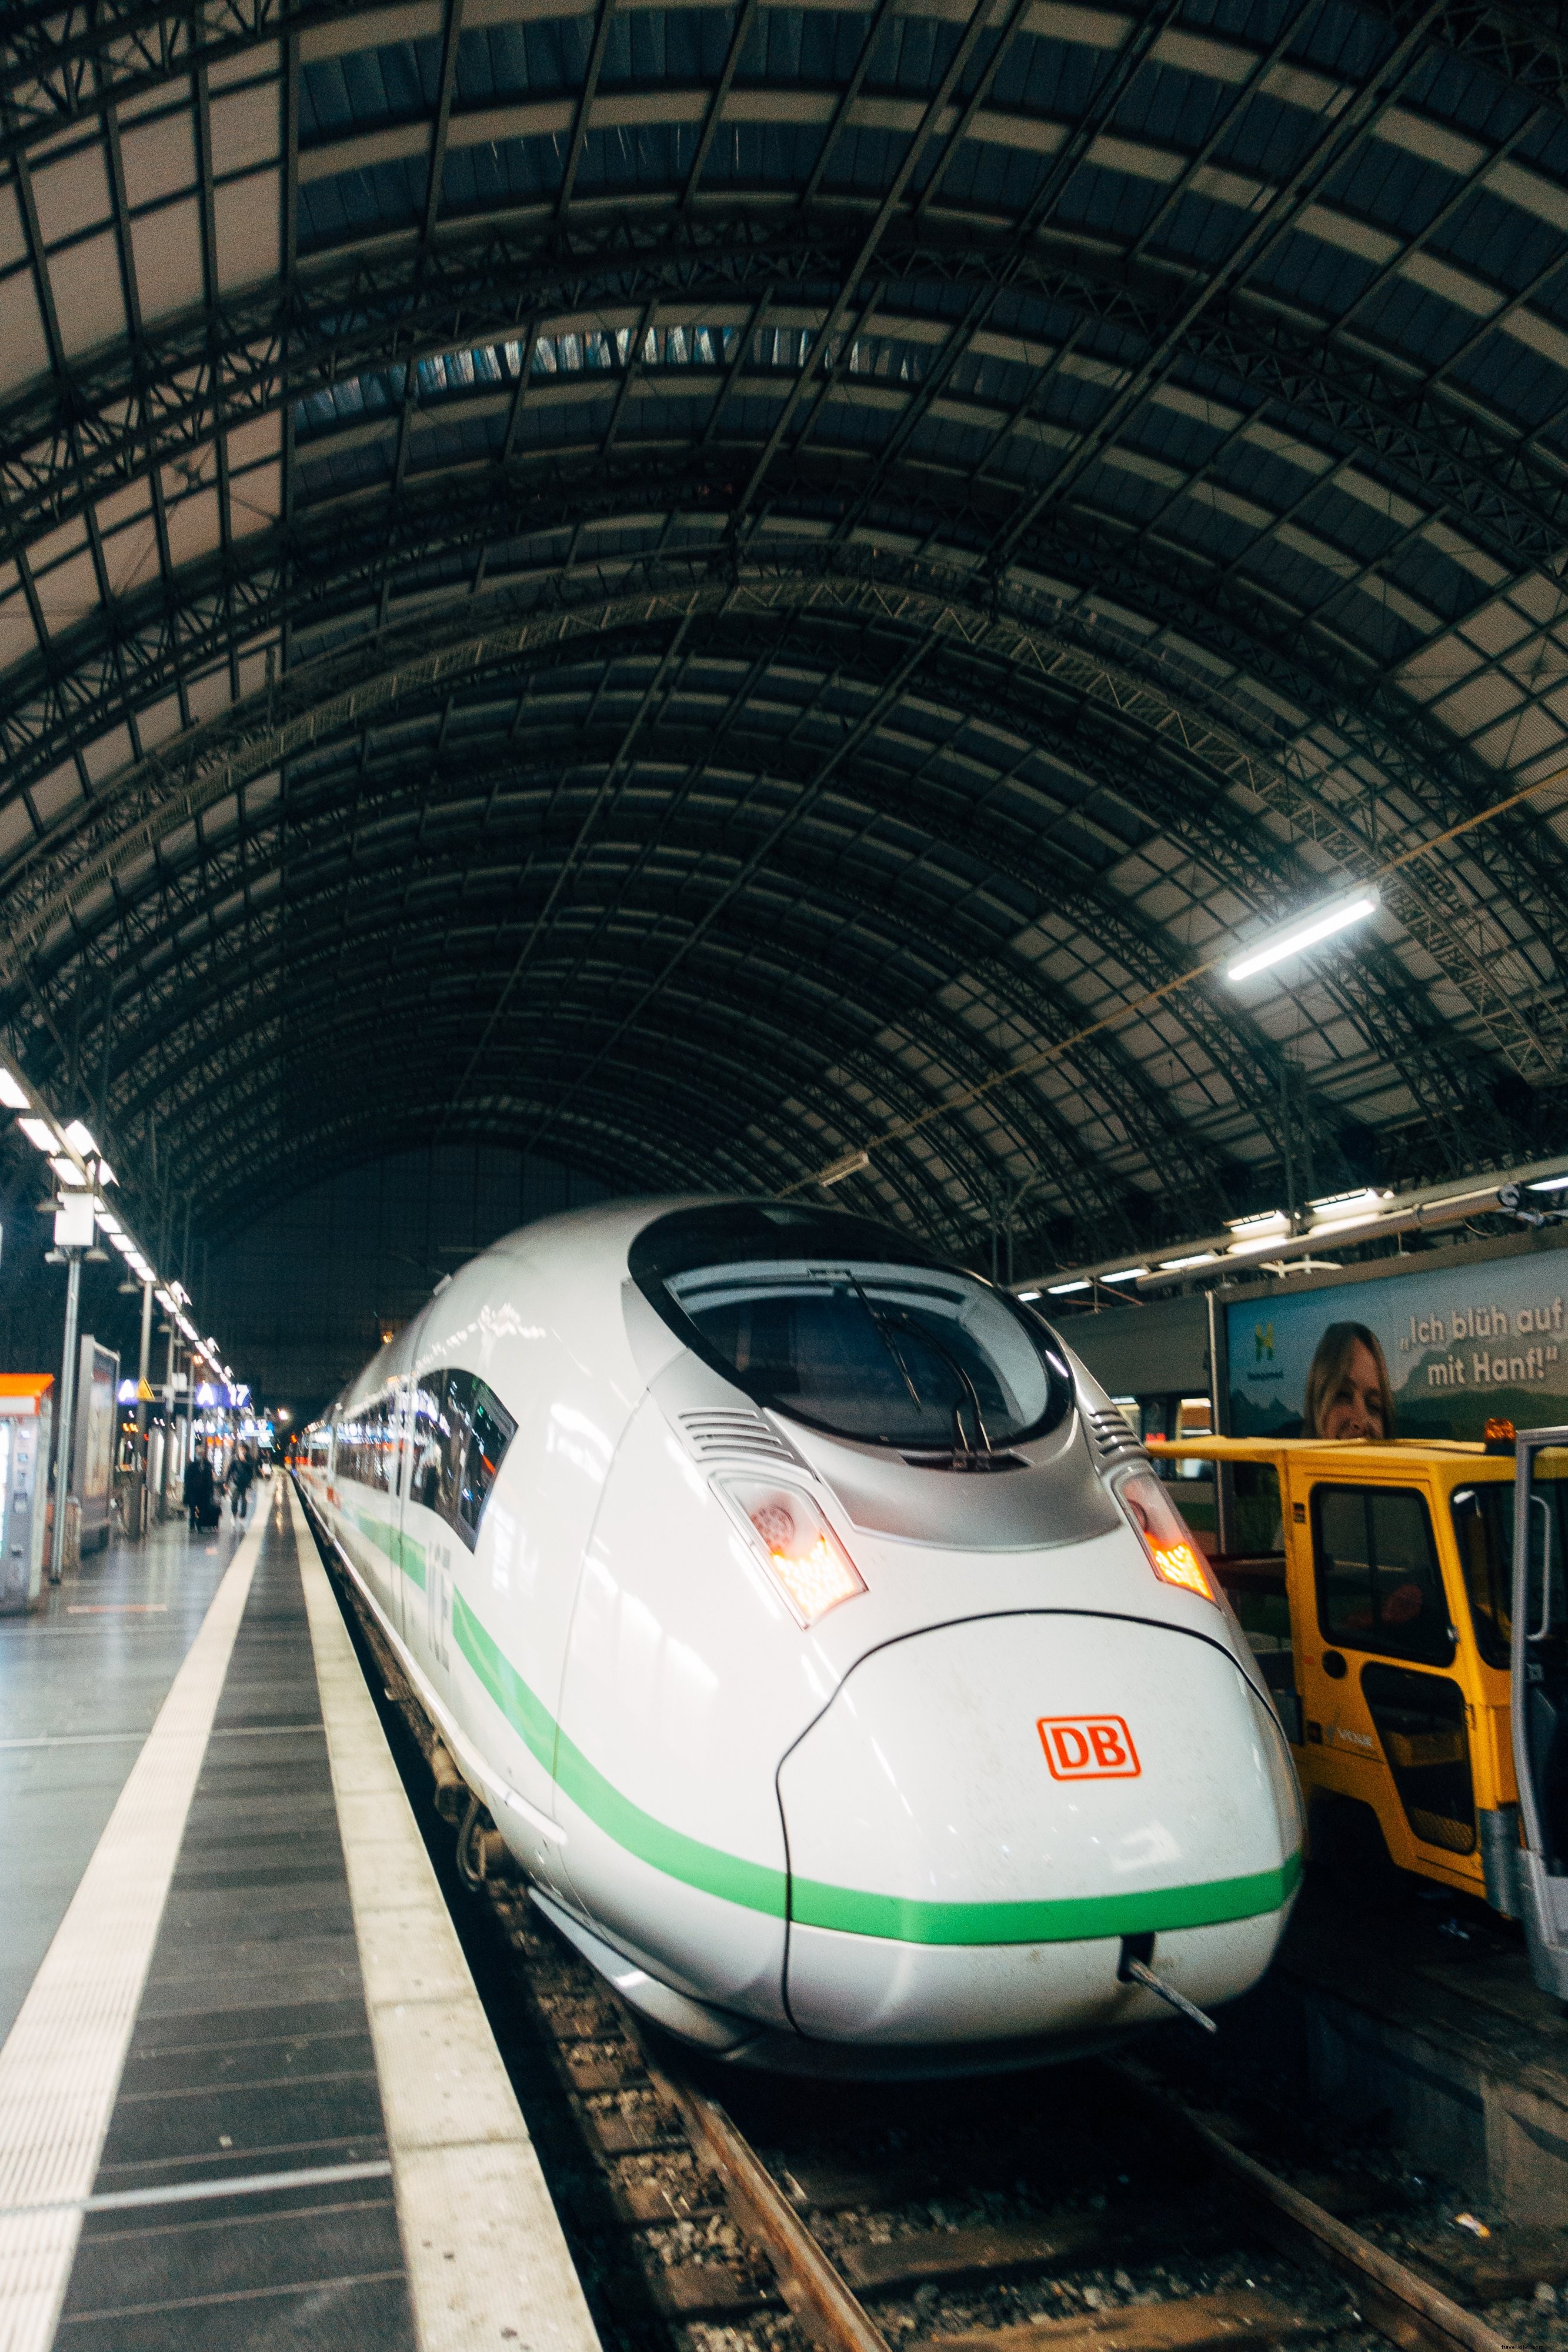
<point>13,1093</point>
<point>1060,1289</point>
<point>1549,1184</point>
<point>850,1164</point>
<point>1262,1221</point>
<point>1180,1265</point>
<point>107,1222</point>
<point>124,1244</point>
<point>68,1171</point>
<point>1292,938</point>
<point>79,1135</point>
<point>1364,1202</point>
<point>39,1134</point>
<point>1124,1274</point>
<point>1027,1294</point>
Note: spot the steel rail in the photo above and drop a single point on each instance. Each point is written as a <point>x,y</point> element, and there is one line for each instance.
<point>1400,2304</point>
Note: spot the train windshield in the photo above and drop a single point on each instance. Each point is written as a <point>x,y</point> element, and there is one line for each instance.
<point>837,1322</point>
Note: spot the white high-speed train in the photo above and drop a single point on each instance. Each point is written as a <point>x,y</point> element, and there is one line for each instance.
<point>821,1641</point>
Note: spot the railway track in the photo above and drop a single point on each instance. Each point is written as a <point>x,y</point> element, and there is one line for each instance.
<point>1090,2209</point>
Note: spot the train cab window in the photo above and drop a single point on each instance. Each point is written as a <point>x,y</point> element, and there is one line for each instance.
<point>839,1323</point>
<point>428,1472</point>
<point>461,1431</point>
<point>490,1430</point>
<point>1379,1586</point>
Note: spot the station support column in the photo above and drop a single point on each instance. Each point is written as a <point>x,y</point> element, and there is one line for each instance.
<point>72,1255</point>
<point>171,1457</point>
<point>143,1398</point>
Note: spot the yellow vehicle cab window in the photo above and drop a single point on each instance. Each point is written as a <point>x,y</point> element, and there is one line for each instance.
<point>1420,1721</point>
<point>1483,1530</point>
<point>1379,1587</point>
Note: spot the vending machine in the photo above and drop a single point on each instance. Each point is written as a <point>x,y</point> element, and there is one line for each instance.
<point>27,1407</point>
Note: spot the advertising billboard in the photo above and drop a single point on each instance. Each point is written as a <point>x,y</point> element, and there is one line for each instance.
<point>1435,1351</point>
<point>93,1457</point>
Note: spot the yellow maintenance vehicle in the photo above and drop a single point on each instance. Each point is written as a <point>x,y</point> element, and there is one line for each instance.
<point>1416,1653</point>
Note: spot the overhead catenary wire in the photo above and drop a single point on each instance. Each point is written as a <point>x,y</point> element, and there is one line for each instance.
<point>1129,1010</point>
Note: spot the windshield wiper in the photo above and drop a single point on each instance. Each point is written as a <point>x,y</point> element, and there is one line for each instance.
<point>885,1321</point>
<point>879,1323</point>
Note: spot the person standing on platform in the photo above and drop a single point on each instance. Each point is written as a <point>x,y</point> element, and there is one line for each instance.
<point>241,1472</point>
<point>198,1489</point>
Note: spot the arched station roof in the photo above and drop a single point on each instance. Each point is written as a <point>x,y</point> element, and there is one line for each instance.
<point>692,586</point>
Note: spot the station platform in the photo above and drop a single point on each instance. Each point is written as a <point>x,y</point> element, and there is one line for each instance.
<point>249,2095</point>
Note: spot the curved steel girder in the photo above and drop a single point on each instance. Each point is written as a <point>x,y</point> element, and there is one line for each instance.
<point>1177,793</point>
<point>851,585</point>
<point>164,1017</point>
<point>635,1084</point>
<point>348,1140</point>
<point>937,814</point>
<point>62,65</point>
<point>942,1044</point>
<point>1439,774</point>
<point>59,66</point>
<point>166,1044</point>
<point>1204,791</point>
<point>64,444</point>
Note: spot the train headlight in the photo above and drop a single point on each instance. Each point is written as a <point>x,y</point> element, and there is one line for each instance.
<point>1172,1550</point>
<point>805,1557</point>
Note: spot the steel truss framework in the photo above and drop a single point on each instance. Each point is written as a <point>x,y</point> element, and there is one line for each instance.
<point>677,778</point>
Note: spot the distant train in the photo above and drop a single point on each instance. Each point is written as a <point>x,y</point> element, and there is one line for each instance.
<point>818,1637</point>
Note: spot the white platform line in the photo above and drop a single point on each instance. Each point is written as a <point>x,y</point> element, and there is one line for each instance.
<point>197,2193</point>
<point>481,2241</point>
<point>61,2064</point>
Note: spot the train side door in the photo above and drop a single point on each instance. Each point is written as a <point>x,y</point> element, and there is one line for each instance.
<point>1387,1723</point>
<point>402,1410</point>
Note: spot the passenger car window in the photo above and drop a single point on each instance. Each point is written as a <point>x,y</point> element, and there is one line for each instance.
<point>1378,1583</point>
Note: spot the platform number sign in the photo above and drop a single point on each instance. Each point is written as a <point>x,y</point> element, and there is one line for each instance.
<point>1089,1747</point>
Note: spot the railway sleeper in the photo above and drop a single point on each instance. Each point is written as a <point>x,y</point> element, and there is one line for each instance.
<point>1196,2322</point>
<point>1003,2249</point>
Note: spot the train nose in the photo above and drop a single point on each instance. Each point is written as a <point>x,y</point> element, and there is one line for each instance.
<point>986,1810</point>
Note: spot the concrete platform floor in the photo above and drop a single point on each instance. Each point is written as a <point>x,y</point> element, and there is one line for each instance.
<point>81,1680</point>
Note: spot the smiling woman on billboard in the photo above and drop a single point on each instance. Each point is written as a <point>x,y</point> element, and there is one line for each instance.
<point>1348,1394</point>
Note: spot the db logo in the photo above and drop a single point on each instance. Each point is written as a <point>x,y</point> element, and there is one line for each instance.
<point>1089,1747</point>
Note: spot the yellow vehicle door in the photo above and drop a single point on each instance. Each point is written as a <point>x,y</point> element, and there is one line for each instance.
<point>1381,1696</point>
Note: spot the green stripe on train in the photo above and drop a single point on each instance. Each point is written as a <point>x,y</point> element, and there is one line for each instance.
<point>400,1550</point>
<point>758,1887</point>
